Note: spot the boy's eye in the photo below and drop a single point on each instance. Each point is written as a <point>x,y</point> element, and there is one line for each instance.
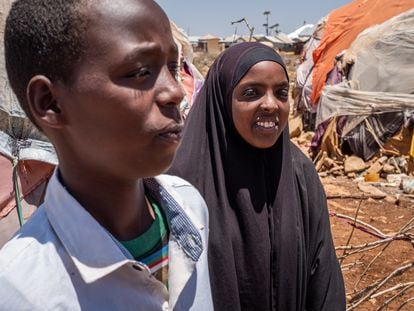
<point>174,69</point>
<point>140,73</point>
<point>250,92</point>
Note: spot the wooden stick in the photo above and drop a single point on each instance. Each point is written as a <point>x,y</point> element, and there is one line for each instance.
<point>355,196</point>
<point>362,226</point>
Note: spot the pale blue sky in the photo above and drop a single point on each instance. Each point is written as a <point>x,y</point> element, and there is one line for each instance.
<point>199,17</point>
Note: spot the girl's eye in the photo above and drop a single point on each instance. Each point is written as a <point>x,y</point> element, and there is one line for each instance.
<point>283,94</point>
<point>249,92</point>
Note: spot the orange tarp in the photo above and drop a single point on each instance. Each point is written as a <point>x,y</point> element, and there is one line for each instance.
<point>341,29</point>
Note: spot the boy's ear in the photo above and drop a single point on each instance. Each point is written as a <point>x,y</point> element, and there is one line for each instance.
<point>42,101</point>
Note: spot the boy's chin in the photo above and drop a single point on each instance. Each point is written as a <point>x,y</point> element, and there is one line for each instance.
<point>159,169</point>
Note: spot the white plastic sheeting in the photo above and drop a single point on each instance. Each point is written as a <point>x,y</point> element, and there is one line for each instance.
<point>385,56</point>
<point>337,100</point>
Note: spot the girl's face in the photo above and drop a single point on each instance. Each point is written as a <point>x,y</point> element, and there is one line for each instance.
<point>260,105</point>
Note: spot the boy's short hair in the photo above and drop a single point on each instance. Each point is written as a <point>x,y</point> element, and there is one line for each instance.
<point>42,37</point>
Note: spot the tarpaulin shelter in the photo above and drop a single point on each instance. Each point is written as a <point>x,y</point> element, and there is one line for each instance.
<point>377,98</point>
<point>382,73</point>
<point>342,28</point>
<point>27,158</point>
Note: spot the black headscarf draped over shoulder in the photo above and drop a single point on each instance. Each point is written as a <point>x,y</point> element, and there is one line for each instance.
<point>270,246</point>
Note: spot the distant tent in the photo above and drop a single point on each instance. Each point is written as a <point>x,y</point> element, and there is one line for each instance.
<point>209,37</point>
<point>343,26</point>
<point>194,39</point>
<point>229,40</point>
<point>281,42</point>
<point>247,39</point>
<point>282,37</point>
<point>302,33</point>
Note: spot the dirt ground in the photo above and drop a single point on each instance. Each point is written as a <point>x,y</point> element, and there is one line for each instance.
<point>388,217</point>
<point>381,219</point>
<point>378,220</point>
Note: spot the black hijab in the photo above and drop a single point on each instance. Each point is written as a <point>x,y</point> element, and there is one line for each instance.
<point>257,243</point>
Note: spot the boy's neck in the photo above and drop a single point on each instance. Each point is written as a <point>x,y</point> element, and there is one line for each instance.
<point>120,207</point>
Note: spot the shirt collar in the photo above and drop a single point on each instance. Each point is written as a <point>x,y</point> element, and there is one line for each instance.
<point>181,226</point>
<point>94,251</point>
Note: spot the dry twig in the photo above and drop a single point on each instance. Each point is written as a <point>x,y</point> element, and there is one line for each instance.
<point>352,231</point>
<point>399,294</point>
<point>393,274</point>
<point>402,230</point>
<point>405,303</point>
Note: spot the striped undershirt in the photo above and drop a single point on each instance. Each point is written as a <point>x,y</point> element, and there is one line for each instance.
<point>151,247</point>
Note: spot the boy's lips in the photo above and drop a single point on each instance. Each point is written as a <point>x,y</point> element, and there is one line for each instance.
<point>172,132</point>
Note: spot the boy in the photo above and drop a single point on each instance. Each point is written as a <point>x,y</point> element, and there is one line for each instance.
<point>98,78</point>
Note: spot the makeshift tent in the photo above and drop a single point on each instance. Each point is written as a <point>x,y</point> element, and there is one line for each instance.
<point>303,33</point>
<point>26,157</point>
<point>277,42</point>
<point>378,97</point>
<point>341,29</point>
<point>382,76</point>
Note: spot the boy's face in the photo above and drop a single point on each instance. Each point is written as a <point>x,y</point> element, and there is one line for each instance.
<point>121,110</point>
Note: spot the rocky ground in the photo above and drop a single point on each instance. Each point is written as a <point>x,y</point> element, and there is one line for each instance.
<point>372,219</point>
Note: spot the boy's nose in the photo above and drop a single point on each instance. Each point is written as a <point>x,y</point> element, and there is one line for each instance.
<point>170,93</point>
